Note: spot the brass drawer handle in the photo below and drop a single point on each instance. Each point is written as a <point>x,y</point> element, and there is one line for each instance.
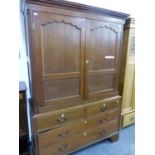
<point>102,133</point>
<point>104,108</point>
<point>63,148</point>
<point>62,135</point>
<point>104,120</point>
<point>62,119</point>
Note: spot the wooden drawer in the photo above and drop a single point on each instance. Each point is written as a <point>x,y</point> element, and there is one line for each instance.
<point>52,136</point>
<point>80,140</point>
<point>58,118</point>
<point>102,107</point>
<point>128,119</point>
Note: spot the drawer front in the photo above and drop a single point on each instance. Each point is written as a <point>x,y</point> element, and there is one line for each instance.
<point>52,136</point>
<point>102,107</point>
<point>84,138</point>
<point>128,119</point>
<point>57,119</point>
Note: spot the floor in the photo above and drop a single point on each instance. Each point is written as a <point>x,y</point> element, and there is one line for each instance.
<point>125,145</point>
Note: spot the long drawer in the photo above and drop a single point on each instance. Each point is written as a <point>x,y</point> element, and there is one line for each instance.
<point>52,136</point>
<point>80,140</point>
<point>59,118</point>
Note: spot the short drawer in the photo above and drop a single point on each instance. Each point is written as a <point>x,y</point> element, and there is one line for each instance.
<point>128,119</point>
<point>57,119</point>
<point>80,140</point>
<point>53,136</point>
<point>103,107</point>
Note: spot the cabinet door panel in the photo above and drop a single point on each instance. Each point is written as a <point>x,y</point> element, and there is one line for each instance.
<point>102,55</point>
<point>54,89</point>
<point>65,48</point>
<point>102,44</point>
<point>59,51</point>
<point>100,82</point>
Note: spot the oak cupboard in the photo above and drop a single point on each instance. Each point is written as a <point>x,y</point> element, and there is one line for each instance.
<point>128,98</point>
<point>75,64</point>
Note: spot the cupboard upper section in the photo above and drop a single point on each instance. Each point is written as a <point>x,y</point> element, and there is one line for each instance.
<point>74,55</point>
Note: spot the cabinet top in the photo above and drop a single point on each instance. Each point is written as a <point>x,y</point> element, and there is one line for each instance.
<point>77,6</point>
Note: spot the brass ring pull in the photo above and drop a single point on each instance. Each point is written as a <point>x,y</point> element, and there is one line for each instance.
<point>63,148</point>
<point>103,109</point>
<point>104,120</point>
<point>102,133</point>
<point>62,119</point>
<point>62,135</point>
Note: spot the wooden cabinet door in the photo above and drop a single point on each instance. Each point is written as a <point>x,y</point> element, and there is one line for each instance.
<point>103,43</point>
<point>58,58</point>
